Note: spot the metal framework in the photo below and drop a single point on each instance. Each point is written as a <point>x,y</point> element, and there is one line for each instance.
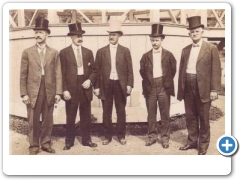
<point>214,18</point>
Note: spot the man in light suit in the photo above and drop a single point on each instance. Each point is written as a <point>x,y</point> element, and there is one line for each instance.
<point>78,73</point>
<point>198,84</point>
<point>158,68</point>
<point>40,87</point>
<point>115,82</point>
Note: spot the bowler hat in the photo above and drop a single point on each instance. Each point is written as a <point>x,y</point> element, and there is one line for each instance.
<point>194,22</point>
<point>115,26</point>
<point>41,24</point>
<point>157,30</point>
<point>75,29</point>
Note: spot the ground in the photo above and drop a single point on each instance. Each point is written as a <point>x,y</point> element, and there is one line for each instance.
<point>135,143</point>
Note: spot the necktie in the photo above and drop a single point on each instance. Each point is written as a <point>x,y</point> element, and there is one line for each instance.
<point>42,56</point>
<point>79,58</point>
<point>195,45</point>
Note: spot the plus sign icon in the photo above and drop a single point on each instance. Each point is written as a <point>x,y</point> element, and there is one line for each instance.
<point>227,145</point>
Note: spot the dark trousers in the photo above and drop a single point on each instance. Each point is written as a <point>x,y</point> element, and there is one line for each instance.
<point>158,95</point>
<point>84,105</point>
<point>114,93</point>
<point>197,114</point>
<point>43,137</point>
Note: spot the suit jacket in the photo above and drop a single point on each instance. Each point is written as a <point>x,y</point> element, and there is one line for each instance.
<point>70,70</point>
<point>208,70</point>
<point>168,63</point>
<point>31,73</point>
<point>123,67</point>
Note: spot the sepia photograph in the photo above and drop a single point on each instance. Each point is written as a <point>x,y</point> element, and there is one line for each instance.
<point>116,81</point>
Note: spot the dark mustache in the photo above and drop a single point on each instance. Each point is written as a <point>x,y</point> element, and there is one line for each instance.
<point>38,37</point>
<point>80,41</point>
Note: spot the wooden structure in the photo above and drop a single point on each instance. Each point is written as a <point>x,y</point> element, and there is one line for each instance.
<point>136,27</point>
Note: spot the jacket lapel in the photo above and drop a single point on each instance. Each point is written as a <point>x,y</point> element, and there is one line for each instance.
<point>186,56</point>
<point>47,55</point>
<point>71,55</point>
<point>202,51</point>
<point>84,59</point>
<point>119,53</point>
<point>36,55</point>
<point>150,57</point>
<point>108,55</point>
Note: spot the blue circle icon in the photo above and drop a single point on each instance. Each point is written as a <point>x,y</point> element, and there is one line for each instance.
<point>227,145</point>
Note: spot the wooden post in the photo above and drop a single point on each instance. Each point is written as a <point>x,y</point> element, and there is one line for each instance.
<point>131,16</point>
<point>52,16</point>
<point>155,15</point>
<point>74,16</point>
<point>21,18</point>
<point>183,18</point>
<point>204,17</point>
<point>104,17</point>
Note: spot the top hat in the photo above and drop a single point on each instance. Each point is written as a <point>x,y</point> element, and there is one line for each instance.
<point>157,30</point>
<point>115,26</point>
<point>194,22</point>
<point>41,24</point>
<point>75,29</point>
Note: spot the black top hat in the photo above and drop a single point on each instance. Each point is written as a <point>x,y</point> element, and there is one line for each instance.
<point>75,29</point>
<point>157,30</point>
<point>194,22</point>
<point>41,24</point>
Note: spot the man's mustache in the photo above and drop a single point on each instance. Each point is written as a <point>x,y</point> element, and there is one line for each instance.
<point>38,38</point>
<point>80,41</point>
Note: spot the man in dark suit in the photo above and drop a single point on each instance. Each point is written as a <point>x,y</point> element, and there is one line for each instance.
<point>158,68</point>
<point>115,82</point>
<point>78,73</point>
<point>198,84</point>
<point>40,87</point>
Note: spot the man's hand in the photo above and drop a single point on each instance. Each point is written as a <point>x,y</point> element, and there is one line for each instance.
<point>129,90</point>
<point>96,92</point>
<point>66,95</point>
<point>57,98</point>
<point>86,84</point>
<point>213,96</point>
<point>26,99</point>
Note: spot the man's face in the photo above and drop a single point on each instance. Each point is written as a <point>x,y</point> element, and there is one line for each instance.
<point>114,37</point>
<point>196,34</point>
<point>41,36</point>
<point>77,39</point>
<point>156,42</point>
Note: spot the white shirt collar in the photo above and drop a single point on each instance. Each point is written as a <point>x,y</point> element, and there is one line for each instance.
<point>75,47</point>
<point>157,50</point>
<point>41,47</point>
<point>199,43</point>
<point>113,46</point>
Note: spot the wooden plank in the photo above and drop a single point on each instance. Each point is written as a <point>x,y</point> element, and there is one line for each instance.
<point>34,17</point>
<point>172,16</point>
<point>11,21</point>
<point>84,16</point>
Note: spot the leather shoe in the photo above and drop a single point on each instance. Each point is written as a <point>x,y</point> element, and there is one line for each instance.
<point>106,141</point>
<point>149,143</point>
<point>122,141</point>
<point>184,148</point>
<point>165,146</point>
<point>67,147</point>
<point>48,149</point>
<point>34,152</point>
<point>90,144</point>
<point>202,152</point>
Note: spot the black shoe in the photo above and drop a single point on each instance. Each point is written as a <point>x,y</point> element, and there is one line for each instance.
<point>67,147</point>
<point>184,148</point>
<point>90,144</point>
<point>48,149</point>
<point>106,141</point>
<point>149,143</point>
<point>202,152</point>
<point>165,146</point>
<point>34,152</point>
<point>122,141</point>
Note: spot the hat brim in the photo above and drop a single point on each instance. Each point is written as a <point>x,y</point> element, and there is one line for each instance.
<point>76,33</point>
<point>44,29</point>
<point>120,32</point>
<point>157,35</point>
<point>195,27</point>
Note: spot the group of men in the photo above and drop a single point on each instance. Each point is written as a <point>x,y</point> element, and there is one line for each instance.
<point>74,76</point>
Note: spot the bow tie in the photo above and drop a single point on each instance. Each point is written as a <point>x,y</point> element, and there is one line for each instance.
<point>195,45</point>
